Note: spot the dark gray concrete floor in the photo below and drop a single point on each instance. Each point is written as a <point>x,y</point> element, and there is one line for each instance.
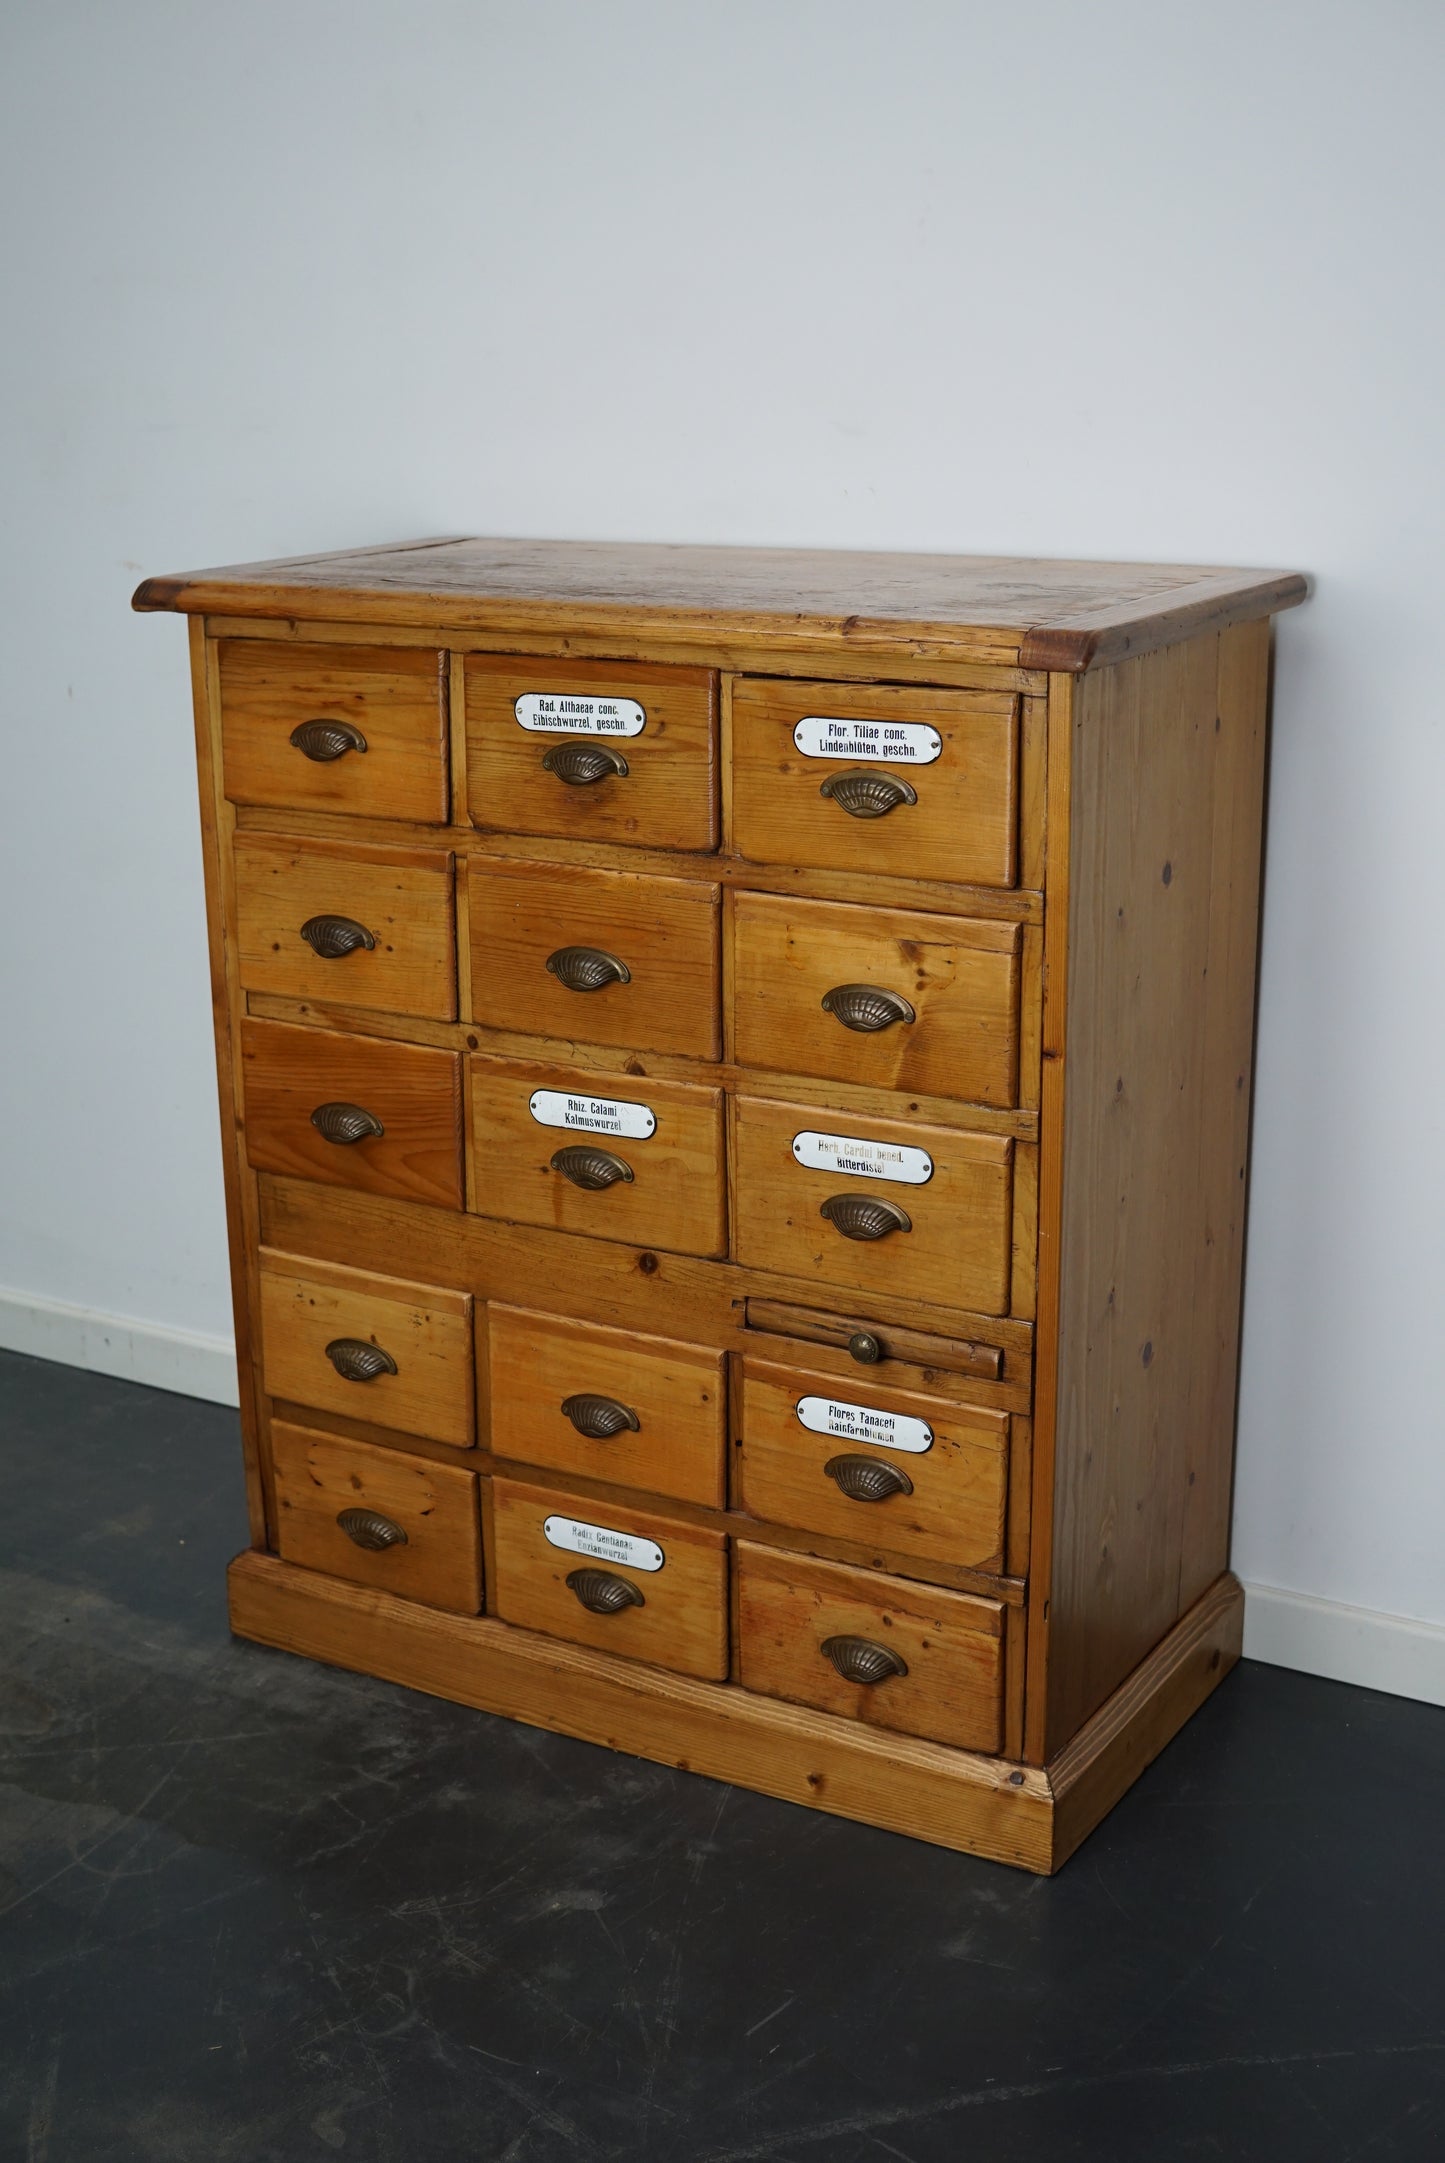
<point>256,1911</point>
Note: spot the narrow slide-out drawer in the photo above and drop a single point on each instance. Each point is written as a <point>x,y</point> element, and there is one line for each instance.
<point>882,1649</point>
<point>359,926</point>
<point>917,1474</point>
<point>621,1580</point>
<point>853,777</point>
<point>375,1348</point>
<point>599,957</point>
<point>886,997</point>
<point>614,751</point>
<point>358,729</point>
<point>815,1199</point>
<point>614,1157</point>
<point>378,1516</point>
<point>354,1111</point>
<point>609,1404</point>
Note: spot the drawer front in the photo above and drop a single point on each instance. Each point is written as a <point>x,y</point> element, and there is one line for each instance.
<point>917,1474</point>
<point>555,747</point>
<point>955,1251</point>
<point>579,1163</point>
<point>601,957</point>
<point>374,1348</point>
<point>901,1655</point>
<point>379,750</point>
<point>879,996</point>
<point>608,1403</point>
<point>414,1523</point>
<point>963,819</point>
<point>674,1615</point>
<point>413,1094</point>
<point>362,927</point>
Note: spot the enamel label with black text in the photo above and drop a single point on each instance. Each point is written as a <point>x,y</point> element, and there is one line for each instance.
<point>860,1423</point>
<point>865,1160</point>
<point>592,1115</point>
<point>566,713</point>
<point>894,743</point>
<point>602,1544</point>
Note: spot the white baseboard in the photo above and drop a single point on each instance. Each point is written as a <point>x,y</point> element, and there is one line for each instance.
<point>1284,1629</point>
<point>183,1360</point>
<point>1346,1644</point>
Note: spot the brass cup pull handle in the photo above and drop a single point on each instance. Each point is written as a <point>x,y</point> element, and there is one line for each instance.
<point>868,1479</point>
<point>600,1417</point>
<point>865,1216</point>
<point>357,1361</point>
<point>587,968</point>
<point>590,1168</point>
<point>332,937</point>
<point>858,1659</point>
<point>867,1007</point>
<point>324,741</point>
<point>369,1529</point>
<point>603,1594</point>
<point>867,795</point>
<point>579,765</point>
<point>346,1123</point>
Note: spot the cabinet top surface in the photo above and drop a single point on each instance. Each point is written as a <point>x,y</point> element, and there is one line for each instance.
<point>1019,611</point>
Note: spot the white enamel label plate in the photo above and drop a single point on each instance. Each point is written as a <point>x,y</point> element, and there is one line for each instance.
<point>865,1160</point>
<point>860,1423</point>
<point>895,743</point>
<point>592,1115</point>
<point>563,713</point>
<point>602,1544</point>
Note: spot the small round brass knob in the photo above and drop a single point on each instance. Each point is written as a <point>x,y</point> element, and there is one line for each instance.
<point>865,1347</point>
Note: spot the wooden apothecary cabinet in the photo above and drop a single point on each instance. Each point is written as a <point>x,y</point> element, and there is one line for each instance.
<point>735,1070</point>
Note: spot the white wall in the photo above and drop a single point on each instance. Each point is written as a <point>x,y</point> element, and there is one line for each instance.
<point>1130,279</point>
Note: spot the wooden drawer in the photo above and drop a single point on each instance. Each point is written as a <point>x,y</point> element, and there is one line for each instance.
<point>656,788</point>
<point>323,1333</point>
<point>949,1646</point>
<point>411,1092</point>
<point>547,944</point>
<point>611,1404</point>
<point>917,1474</point>
<point>668,1191</point>
<point>963,822</point>
<point>362,927</point>
<point>320,1478</point>
<point>880,996</point>
<point>384,755</point>
<point>673,1613</point>
<point>956,1250</point>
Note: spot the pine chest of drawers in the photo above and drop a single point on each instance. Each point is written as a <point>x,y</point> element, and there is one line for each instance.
<point>735,1070</point>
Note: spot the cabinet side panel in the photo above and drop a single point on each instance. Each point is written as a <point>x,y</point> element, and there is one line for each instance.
<point>1166,824</point>
<point>218,820</point>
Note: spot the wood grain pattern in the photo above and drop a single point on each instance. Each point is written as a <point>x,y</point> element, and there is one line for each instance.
<point>961,980</point>
<point>667,799</point>
<point>950,1643</point>
<point>956,1253</point>
<point>956,1510</point>
<point>396,697</point>
<point>319,1476</point>
<point>955,1798</point>
<point>402,897</point>
<point>964,825</point>
<point>664,932</point>
<point>682,1623</point>
<point>982,607</point>
<point>676,1392</point>
<point>425,1328</point>
<point>674,1199</point>
<point>1164,860</point>
<point>414,1092</point>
